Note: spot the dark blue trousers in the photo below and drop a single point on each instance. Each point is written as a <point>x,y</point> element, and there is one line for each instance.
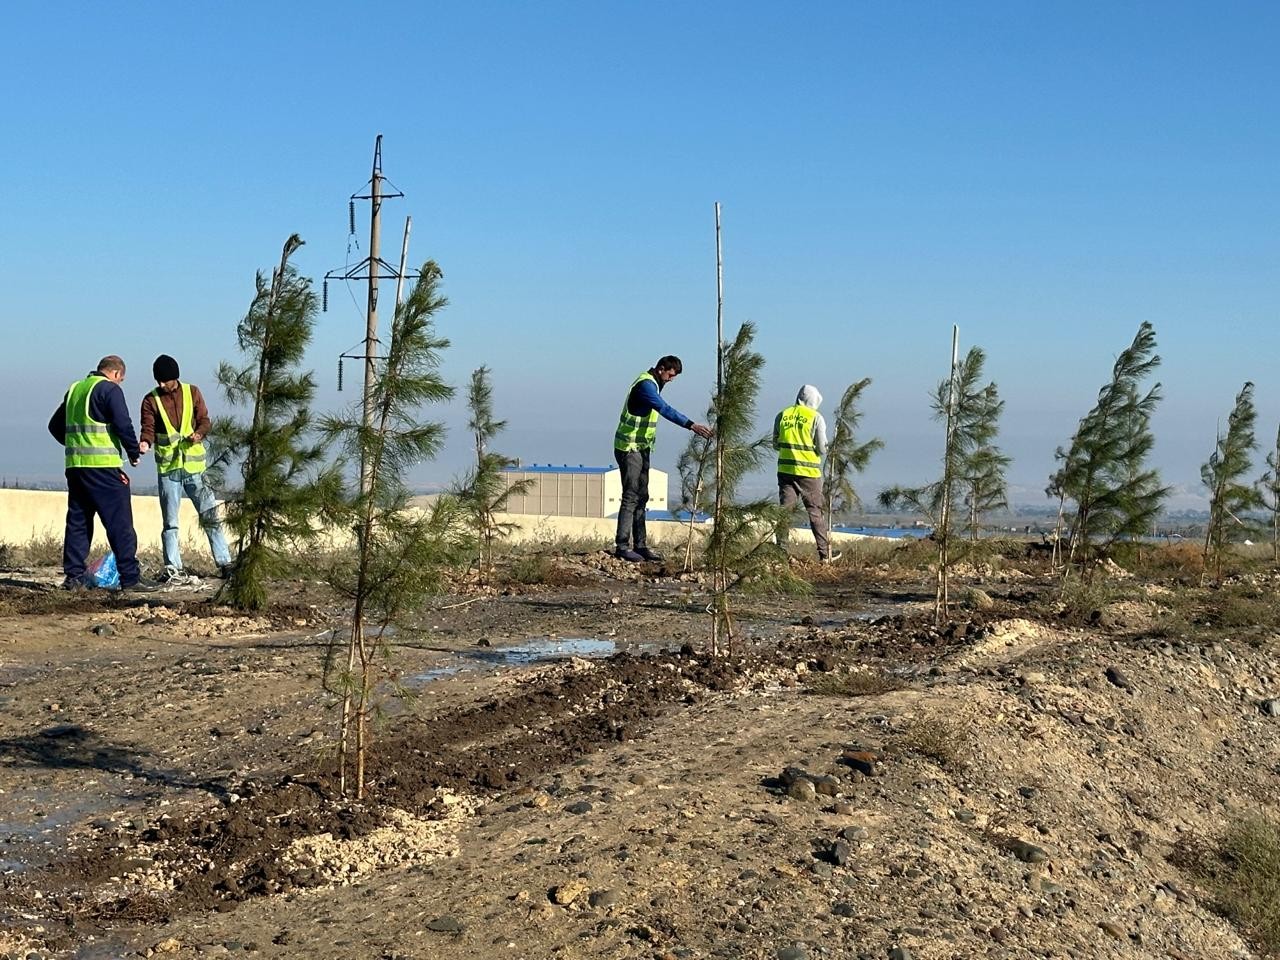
<point>634,465</point>
<point>103,491</point>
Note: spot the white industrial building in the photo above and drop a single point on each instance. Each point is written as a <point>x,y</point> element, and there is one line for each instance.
<point>564,491</point>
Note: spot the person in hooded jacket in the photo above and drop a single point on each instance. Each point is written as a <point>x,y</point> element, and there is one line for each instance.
<point>800,438</point>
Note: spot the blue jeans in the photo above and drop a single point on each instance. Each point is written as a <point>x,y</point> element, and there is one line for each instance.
<point>172,487</point>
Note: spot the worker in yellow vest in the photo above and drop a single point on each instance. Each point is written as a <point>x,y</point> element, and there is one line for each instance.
<point>632,445</point>
<point>94,428</point>
<point>800,438</point>
<point>175,422</point>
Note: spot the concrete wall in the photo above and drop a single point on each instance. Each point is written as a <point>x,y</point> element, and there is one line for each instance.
<point>27,515</point>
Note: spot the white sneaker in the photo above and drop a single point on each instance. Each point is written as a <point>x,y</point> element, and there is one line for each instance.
<point>832,557</point>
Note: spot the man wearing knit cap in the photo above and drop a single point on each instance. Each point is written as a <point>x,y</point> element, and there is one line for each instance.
<point>175,421</point>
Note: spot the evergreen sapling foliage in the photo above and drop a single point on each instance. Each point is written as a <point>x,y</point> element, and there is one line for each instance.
<point>1269,490</point>
<point>741,548</point>
<point>845,455</point>
<point>1104,476</point>
<point>1230,496</point>
<point>402,555</point>
<point>286,486</point>
<point>485,492</point>
<point>970,411</point>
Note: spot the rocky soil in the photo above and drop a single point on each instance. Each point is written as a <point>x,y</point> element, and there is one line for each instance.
<point>1031,781</point>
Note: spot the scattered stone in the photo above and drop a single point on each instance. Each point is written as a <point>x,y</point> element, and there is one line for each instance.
<point>1113,930</point>
<point>840,853</point>
<point>899,953</point>
<point>826,786</point>
<point>169,945</point>
<point>566,893</point>
<point>854,834</point>
<point>603,898</point>
<point>803,790</point>
<point>844,809</point>
<point>864,761</point>
<point>1117,678</point>
<point>790,775</point>
<point>796,951</point>
<point>1028,793</point>
<point>445,924</point>
<point>980,599</point>
<point>581,806</point>
<point>641,779</point>
<point>845,909</point>
<point>103,630</point>
<point>1271,708</point>
<point>965,815</point>
<point>1028,852</point>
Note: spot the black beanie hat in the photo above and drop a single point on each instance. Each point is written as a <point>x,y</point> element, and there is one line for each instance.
<point>165,368</point>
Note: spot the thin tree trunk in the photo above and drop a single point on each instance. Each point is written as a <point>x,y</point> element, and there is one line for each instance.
<point>1056,556</point>
<point>718,575</point>
<point>688,545</point>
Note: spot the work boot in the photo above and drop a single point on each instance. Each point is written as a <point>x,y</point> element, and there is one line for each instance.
<point>76,583</point>
<point>141,585</point>
<point>224,571</point>
<point>831,557</point>
<point>626,553</point>
<point>650,555</point>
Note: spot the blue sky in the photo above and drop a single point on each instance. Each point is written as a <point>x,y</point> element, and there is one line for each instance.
<point>1045,175</point>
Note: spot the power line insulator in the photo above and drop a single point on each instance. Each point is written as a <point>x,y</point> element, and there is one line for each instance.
<point>351,217</point>
<point>339,374</point>
<point>325,298</point>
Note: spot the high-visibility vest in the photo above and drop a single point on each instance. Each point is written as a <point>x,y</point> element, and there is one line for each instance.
<point>636,433</point>
<point>173,450</point>
<point>88,443</point>
<point>797,455</point>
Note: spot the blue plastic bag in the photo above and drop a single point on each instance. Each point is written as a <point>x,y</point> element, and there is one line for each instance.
<point>104,572</point>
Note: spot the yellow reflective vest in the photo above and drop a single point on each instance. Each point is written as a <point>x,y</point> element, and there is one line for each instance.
<point>173,450</point>
<point>88,443</point>
<point>797,455</point>
<point>636,433</point>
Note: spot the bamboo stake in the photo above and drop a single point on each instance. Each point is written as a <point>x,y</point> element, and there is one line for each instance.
<point>942,599</point>
<point>717,577</point>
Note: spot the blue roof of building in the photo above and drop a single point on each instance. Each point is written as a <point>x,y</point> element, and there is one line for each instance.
<point>554,468</point>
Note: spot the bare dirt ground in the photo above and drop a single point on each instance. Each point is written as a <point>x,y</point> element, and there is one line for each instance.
<point>576,777</point>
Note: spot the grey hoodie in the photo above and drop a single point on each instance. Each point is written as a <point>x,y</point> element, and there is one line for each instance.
<point>811,398</point>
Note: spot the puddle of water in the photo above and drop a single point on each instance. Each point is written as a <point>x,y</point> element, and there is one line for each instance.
<point>519,655</point>
<point>437,673</point>
<point>30,843</point>
<point>539,651</point>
